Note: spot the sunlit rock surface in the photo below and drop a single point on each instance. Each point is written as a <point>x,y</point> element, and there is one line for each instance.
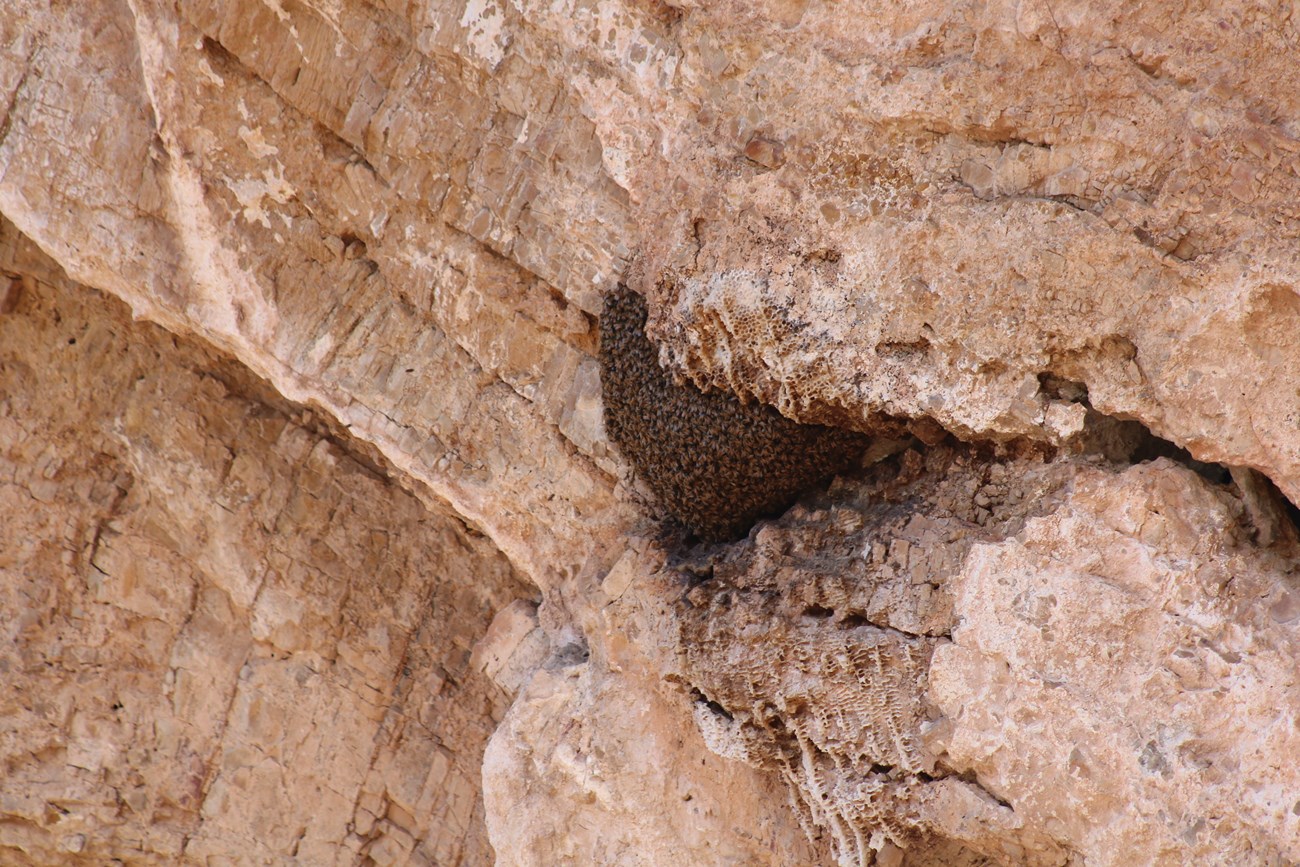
<point>313,548</point>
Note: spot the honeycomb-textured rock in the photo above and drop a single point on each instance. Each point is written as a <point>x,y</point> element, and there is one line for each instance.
<point>715,464</point>
<point>931,660</point>
<point>810,645</point>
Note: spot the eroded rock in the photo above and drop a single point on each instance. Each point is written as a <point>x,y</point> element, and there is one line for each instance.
<point>226,635</point>
<point>395,225</point>
<point>1000,633</point>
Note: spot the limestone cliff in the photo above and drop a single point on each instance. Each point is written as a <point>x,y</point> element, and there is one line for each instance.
<point>313,545</point>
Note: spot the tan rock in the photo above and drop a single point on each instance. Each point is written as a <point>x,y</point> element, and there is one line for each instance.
<point>222,627</point>
<point>275,564</point>
<point>1096,670</point>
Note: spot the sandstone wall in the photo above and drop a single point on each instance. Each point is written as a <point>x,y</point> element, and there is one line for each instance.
<point>226,634</point>
<point>329,558</point>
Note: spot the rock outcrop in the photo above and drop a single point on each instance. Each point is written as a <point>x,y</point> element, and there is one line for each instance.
<point>314,546</point>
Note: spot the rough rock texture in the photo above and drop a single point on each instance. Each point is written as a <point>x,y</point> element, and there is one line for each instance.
<point>276,563</point>
<point>224,633</point>
<point>925,671</point>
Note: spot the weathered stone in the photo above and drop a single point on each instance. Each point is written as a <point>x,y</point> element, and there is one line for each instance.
<point>222,626</point>
<point>250,564</point>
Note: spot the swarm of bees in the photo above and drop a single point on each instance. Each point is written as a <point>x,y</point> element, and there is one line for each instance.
<point>716,465</point>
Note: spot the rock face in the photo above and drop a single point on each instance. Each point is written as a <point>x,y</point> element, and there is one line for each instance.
<point>329,560</point>
<point>226,634</point>
<point>967,682</point>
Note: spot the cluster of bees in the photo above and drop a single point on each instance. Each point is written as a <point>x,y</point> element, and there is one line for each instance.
<point>714,464</point>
